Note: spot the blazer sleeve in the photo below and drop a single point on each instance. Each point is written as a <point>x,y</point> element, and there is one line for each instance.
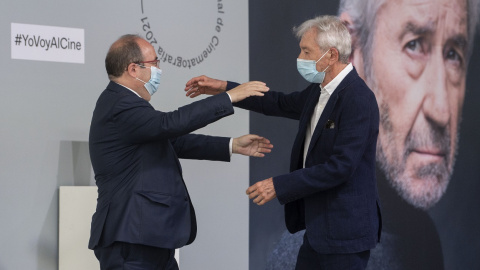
<point>197,146</point>
<point>357,130</point>
<point>276,103</point>
<point>139,122</point>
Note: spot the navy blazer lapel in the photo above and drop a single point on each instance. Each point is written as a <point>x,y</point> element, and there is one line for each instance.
<point>327,111</point>
<point>309,108</point>
<point>297,149</point>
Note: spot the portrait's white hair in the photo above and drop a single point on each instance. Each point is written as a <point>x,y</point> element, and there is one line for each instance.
<point>363,14</point>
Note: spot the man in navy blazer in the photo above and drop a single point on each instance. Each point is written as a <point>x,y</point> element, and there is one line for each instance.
<point>331,190</point>
<point>143,209</point>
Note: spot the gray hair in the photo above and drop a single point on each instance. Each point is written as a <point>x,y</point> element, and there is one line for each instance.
<point>331,33</point>
<point>363,14</point>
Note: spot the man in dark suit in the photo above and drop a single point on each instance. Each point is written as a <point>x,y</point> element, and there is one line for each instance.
<point>331,190</point>
<point>144,211</point>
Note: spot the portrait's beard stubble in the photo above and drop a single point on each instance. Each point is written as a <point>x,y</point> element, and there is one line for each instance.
<point>422,185</point>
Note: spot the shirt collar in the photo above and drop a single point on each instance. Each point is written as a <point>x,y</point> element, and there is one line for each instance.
<point>129,89</point>
<point>331,86</point>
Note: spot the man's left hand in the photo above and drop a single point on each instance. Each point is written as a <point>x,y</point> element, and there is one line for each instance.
<point>262,192</point>
<point>251,145</point>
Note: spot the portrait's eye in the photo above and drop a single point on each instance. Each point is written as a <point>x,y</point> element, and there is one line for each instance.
<point>454,58</point>
<point>414,47</point>
<point>415,50</point>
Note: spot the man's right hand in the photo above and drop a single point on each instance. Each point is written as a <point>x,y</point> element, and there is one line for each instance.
<point>204,85</point>
<point>246,90</point>
<point>209,86</point>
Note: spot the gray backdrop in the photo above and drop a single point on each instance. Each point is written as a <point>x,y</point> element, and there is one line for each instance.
<point>46,108</point>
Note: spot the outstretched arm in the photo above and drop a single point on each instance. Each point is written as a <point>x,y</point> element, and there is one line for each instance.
<point>205,85</point>
<point>251,145</point>
<point>262,101</point>
<point>205,147</point>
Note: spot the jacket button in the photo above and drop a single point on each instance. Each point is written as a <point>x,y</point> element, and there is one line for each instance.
<point>186,198</point>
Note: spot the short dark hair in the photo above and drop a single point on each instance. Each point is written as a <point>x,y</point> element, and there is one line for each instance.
<point>122,52</point>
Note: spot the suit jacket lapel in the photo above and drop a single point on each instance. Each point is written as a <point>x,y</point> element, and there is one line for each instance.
<point>297,150</point>
<point>327,111</point>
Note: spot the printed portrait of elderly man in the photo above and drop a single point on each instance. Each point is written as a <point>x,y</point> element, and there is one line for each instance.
<point>414,55</point>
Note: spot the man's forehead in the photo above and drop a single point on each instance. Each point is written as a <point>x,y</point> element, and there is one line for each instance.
<point>146,48</point>
<point>426,16</point>
<point>426,3</point>
<point>309,39</point>
<point>432,11</point>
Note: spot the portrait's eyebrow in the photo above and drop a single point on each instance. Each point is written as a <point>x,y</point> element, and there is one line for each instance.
<point>417,30</point>
<point>459,41</point>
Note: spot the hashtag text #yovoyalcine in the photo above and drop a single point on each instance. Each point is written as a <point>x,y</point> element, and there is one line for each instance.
<point>50,43</point>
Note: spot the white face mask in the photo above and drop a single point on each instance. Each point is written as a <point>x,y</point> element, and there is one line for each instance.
<point>154,82</point>
<point>308,70</point>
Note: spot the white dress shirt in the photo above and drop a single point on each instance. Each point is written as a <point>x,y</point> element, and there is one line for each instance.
<point>325,93</point>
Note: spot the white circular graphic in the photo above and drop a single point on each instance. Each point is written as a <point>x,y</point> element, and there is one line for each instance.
<point>199,25</point>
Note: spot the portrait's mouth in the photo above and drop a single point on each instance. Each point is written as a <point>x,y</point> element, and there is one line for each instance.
<point>428,155</point>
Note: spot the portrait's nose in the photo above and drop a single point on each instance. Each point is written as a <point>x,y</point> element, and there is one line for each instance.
<point>436,105</point>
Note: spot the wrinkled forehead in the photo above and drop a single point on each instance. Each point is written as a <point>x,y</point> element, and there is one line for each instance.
<point>309,39</point>
<point>439,21</point>
<point>441,16</point>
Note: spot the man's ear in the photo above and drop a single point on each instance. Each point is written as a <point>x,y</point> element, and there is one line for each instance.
<point>132,69</point>
<point>334,56</point>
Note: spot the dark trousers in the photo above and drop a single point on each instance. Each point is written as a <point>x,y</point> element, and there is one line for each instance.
<point>309,259</point>
<point>126,256</point>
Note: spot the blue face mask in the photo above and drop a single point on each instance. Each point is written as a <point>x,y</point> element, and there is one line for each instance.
<point>308,70</point>
<point>154,82</point>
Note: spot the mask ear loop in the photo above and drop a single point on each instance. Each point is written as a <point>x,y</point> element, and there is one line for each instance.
<point>142,66</point>
<point>322,56</point>
<point>140,80</point>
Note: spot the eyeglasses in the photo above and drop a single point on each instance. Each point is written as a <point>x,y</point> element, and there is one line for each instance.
<point>155,62</point>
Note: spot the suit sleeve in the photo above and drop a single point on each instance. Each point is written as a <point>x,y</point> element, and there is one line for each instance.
<point>197,146</point>
<point>357,129</point>
<point>137,121</point>
<point>275,103</point>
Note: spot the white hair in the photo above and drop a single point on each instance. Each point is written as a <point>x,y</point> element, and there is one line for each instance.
<point>331,33</point>
<point>363,14</point>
